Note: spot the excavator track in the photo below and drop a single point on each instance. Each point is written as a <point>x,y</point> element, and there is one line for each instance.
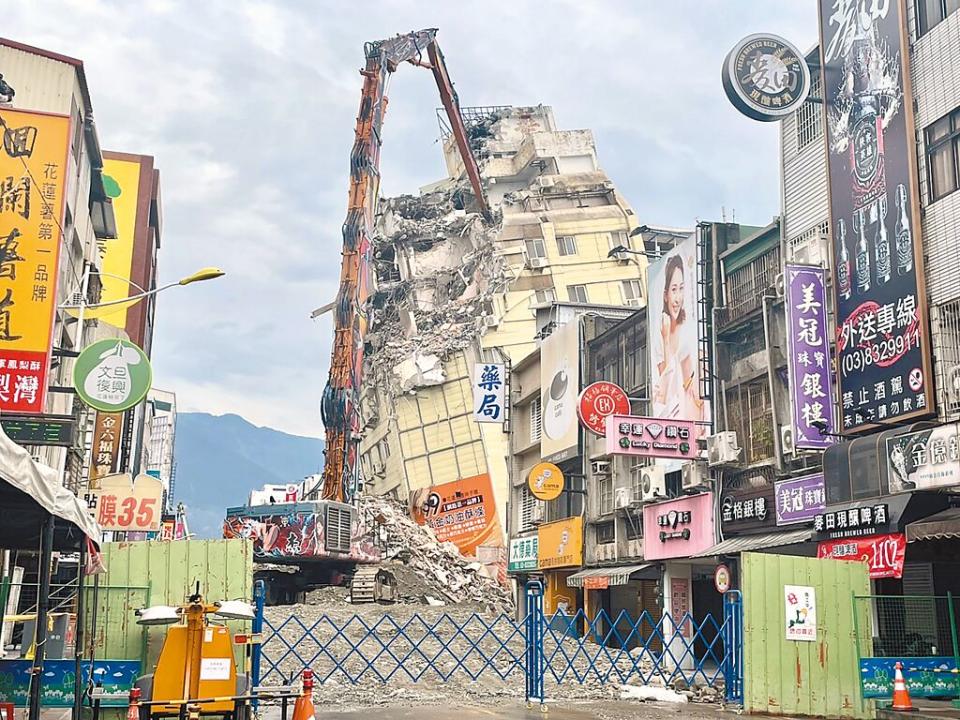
<point>373,583</point>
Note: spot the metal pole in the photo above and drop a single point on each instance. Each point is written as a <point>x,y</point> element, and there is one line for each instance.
<point>43,605</point>
<point>771,382</point>
<point>953,630</point>
<point>78,636</point>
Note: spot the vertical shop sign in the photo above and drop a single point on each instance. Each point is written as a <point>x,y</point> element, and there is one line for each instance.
<point>106,446</point>
<point>810,376</point>
<point>883,344</point>
<point>33,170</point>
<point>489,392</point>
<point>680,605</point>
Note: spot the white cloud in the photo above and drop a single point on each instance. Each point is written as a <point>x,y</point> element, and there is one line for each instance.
<point>249,108</point>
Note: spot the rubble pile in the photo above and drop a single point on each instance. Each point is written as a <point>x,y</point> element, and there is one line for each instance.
<point>430,572</point>
<point>437,271</point>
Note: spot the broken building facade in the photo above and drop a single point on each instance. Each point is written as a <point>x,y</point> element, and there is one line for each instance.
<point>452,290</point>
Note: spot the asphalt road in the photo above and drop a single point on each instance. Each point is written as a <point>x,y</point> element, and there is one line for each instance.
<point>511,710</point>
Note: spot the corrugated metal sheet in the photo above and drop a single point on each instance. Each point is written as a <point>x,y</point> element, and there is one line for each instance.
<point>617,575</point>
<point>140,574</point>
<point>804,181</point>
<point>747,543</point>
<point>42,84</point>
<point>792,678</point>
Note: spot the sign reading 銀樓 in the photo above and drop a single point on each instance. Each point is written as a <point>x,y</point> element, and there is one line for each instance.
<point>651,437</point>
<point>810,373</point>
<point>749,509</point>
<point>489,392</point>
<point>33,174</point>
<point>853,522</point>
<point>120,503</point>
<point>800,611</point>
<point>883,344</point>
<point>884,554</point>
<point>598,401</point>
<point>112,375</point>
<point>799,500</point>
<point>523,554</point>
<point>765,77</point>
<point>925,459</point>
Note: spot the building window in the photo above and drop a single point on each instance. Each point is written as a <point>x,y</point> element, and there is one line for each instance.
<point>749,414</point>
<point>636,481</point>
<point>605,487</point>
<point>535,248</point>
<point>536,421</point>
<point>932,12</point>
<point>577,293</point>
<point>620,238</point>
<point>632,292</point>
<point>810,116</point>
<point>946,340</point>
<point>527,503</point>
<point>634,527</point>
<point>542,297</point>
<point>606,533</point>
<point>566,245</point>
<point>746,285</point>
<point>635,372</point>
<point>943,154</point>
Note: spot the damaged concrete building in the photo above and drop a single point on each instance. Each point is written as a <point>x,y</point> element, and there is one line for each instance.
<point>453,289</point>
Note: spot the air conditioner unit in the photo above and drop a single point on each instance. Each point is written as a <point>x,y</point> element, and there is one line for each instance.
<point>722,448</point>
<point>621,498</point>
<point>600,467</point>
<point>491,321</point>
<point>537,263</point>
<point>779,286</point>
<point>538,514</point>
<point>694,475</point>
<point>653,483</point>
<point>622,256</point>
<point>787,446</point>
<point>546,181</point>
<point>634,302</point>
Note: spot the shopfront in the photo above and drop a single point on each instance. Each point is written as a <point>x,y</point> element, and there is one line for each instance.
<point>522,567</point>
<point>560,555</point>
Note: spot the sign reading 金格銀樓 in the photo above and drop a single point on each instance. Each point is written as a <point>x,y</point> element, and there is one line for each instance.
<point>800,612</point>
<point>747,509</point>
<point>523,554</point>
<point>884,554</point>
<point>651,437</point>
<point>489,392</point>
<point>883,344</point>
<point>33,174</point>
<point>598,401</point>
<point>810,373</point>
<point>799,500</point>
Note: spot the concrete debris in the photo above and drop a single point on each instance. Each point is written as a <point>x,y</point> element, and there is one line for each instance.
<point>437,273</point>
<point>644,693</point>
<point>425,568</point>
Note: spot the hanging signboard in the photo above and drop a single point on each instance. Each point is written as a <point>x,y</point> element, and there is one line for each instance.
<point>748,509</point>
<point>545,481</point>
<point>800,609</point>
<point>765,77</point>
<point>112,375</point>
<point>489,392</point>
<point>56,430</point>
<point>721,579</point>
<point>884,554</point>
<point>853,522</point>
<point>105,448</point>
<point>462,512</point>
<point>560,544</point>
<point>559,387</point>
<point>924,460</point>
<point>651,437</point>
<point>811,386</point>
<point>598,401</point>
<point>799,500</point>
<point>883,343</point>
<point>121,504</point>
<point>33,172</point>
<point>523,554</point>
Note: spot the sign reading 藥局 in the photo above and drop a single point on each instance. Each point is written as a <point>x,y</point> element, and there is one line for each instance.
<point>523,554</point>
<point>489,392</point>
<point>883,344</point>
<point>810,373</point>
<point>800,610</point>
<point>799,500</point>
<point>924,459</point>
<point>33,173</point>
<point>765,77</point>
<point>112,375</point>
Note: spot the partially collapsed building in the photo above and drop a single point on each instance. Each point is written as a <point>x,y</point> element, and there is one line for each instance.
<point>452,290</point>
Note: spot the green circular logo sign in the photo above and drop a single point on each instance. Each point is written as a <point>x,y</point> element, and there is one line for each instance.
<point>112,375</point>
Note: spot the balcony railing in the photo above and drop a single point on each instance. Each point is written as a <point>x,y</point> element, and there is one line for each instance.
<point>747,285</point>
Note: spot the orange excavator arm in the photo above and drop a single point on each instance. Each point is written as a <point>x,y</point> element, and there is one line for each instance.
<point>341,397</point>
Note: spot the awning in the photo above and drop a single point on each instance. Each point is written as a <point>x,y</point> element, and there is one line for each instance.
<point>746,543</point>
<point>614,575</point>
<point>942,526</point>
<point>29,494</point>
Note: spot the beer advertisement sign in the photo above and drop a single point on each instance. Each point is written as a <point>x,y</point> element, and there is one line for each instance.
<point>883,346</point>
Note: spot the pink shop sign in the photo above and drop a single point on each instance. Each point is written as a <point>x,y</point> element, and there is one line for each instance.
<point>678,528</point>
<point>651,437</point>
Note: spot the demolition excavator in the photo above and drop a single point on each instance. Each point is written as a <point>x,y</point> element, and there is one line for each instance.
<point>322,539</point>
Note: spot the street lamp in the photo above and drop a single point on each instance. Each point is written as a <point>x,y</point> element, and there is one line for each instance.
<point>622,249</point>
<point>207,273</point>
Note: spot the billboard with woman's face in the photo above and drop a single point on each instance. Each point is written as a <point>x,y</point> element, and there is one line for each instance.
<point>672,336</point>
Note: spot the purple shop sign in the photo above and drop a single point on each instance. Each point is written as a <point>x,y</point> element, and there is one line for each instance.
<point>811,383</point>
<point>800,499</point>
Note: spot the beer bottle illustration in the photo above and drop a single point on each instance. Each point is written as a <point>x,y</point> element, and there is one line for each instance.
<point>844,280</point>
<point>904,238</point>
<point>881,243</point>
<point>862,255</point>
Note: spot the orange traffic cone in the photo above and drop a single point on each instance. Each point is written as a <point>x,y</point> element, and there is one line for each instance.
<point>133,711</point>
<point>303,709</point>
<point>901,696</point>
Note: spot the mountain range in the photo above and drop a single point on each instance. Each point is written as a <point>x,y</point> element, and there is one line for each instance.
<point>221,458</point>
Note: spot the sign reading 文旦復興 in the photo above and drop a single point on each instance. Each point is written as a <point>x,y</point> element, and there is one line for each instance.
<point>112,375</point>
<point>489,392</point>
<point>33,172</point>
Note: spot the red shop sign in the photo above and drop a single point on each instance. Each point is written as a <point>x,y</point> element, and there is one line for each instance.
<point>597,402</point>
<point>882,553</point>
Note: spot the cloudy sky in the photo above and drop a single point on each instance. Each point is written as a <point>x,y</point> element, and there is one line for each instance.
<point>249,106</point>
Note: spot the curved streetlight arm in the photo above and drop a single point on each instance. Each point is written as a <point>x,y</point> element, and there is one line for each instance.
<point>120,301</point>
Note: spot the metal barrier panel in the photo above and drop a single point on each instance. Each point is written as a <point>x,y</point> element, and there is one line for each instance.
<point>919,631</point>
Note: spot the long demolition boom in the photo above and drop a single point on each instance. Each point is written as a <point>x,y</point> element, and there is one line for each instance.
<point>341,397</point>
